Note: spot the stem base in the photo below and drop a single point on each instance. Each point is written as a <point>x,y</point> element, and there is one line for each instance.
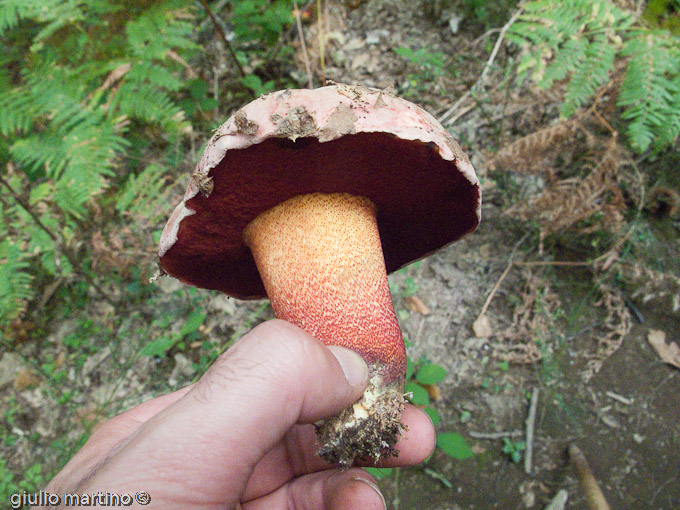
<point>367,429</point>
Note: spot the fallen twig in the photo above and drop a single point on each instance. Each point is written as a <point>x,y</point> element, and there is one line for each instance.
<point>531,421</point>
<point>482,77</point>
<point>220,31</point>
<point>305,57</point>
<point>619,398</point>
<point>495,288</point>
<point>495,435</point>
<point>530,263</point>
<point>438,476</point>
<point>594,496</point>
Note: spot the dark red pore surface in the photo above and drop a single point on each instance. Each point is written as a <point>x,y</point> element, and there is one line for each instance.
<point>423,202</point>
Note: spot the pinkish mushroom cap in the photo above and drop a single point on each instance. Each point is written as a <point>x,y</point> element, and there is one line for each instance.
<point>335,139</point>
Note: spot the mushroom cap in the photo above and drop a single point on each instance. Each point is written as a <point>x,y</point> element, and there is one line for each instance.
<point>335,139</point>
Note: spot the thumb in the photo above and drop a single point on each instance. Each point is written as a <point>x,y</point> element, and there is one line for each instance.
<point>210,440</point>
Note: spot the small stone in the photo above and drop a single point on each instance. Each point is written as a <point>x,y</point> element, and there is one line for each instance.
<point>375,36</point>
<point>354,44</point>
<point>183,369</point>
<point>10,364</point>
<point>454,23</point>
<point>559,501</point>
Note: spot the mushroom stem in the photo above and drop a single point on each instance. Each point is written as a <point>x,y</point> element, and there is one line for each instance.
<point>321,261</point>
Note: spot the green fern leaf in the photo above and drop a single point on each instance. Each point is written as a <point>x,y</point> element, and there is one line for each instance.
<point>651,88</point>
<point>591,72</point>
<point>15,281</point>
<point>572,54</point>
<point>144,196</point>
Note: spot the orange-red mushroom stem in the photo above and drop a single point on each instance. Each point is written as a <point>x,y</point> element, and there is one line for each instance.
<point>321,261</point>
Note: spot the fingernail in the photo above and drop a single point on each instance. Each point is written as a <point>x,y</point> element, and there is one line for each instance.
<point>353,365</point>
<point>374,487</point>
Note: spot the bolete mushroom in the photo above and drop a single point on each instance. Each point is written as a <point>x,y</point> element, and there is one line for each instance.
<point>311,197</point>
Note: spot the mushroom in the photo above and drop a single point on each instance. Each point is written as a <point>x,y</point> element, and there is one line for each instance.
<point>311,197</point>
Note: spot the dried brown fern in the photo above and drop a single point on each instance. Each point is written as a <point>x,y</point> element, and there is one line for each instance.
<point>569,201</point>
<point>535,152</point>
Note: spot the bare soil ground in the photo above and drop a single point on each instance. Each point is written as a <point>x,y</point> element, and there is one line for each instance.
<point>609,394</point>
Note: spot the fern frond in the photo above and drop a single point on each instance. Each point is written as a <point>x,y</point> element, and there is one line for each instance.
<point>580,40</point>
<point>572,54</point>
<point>575,39</point>
<point>592,72</point>
<point>158,29</point>
<point>63,126</point>
<point>144,196</point>
<point>650,92</point>
<point>526,155</point>
<point>59,14</point>
<point>15,281</point>
<point>17,111</point>
<point>145,102</point>
<point>158,76</point>
<point>13,11</point>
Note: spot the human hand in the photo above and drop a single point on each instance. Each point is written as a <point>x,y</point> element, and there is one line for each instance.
<point>242,436</point>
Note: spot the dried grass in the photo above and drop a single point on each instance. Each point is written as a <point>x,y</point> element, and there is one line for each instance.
<point>615,326</point>
<point>332,27</point>
<point>527,339</point>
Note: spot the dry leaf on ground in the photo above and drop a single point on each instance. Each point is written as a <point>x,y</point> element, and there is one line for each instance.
<point>25,379</point>
<point>482,327</point>
<point>433,391</point>
<point>415,304</point>
<point>668,352</point>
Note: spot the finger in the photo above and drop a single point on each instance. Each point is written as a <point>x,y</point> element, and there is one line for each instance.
<point>353,489</point>
<point>110,433</point>
<point>276,376</point>
<point>298,451</point>
<point>415,444</point>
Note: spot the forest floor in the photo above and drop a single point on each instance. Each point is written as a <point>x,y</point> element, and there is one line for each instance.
<point>552,328</point>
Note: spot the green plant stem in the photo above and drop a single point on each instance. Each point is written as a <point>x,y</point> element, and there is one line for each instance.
<point>28,209</point>
<point>57,242</point>
<point>219,29</point>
